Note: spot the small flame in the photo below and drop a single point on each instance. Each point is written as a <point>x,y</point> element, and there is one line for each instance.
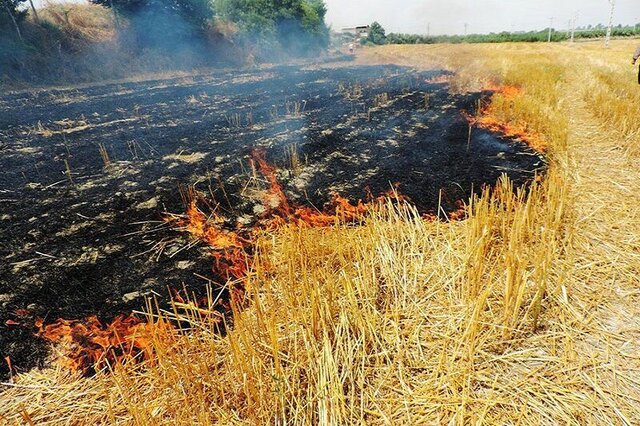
<point>281,211</point>
<point>228,247</point>
<point>488,118</point>
<point>340,210</point>
<point>90,345</point>
<point>231,263</point>
<point>275,191</point>
<point>209,229</point>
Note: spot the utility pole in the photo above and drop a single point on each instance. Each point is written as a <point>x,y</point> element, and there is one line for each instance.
<point>550,29</point>
<point>607,39</point>
<point>428,29</point>
<point>466,28</point>
<point>573,27</point>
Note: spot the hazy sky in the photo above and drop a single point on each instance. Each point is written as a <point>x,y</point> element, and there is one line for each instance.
<point>449,16</point>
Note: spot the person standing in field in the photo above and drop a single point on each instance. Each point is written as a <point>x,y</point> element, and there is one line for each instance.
<point>635,59</point>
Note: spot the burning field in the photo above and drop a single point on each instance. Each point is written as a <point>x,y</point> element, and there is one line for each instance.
<point>113,193</point>
<point>328,245</point>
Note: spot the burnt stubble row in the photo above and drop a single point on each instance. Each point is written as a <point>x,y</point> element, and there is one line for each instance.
<point>86,173</point>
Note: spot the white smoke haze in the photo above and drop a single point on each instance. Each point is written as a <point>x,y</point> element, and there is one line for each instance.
<point>482,16</point>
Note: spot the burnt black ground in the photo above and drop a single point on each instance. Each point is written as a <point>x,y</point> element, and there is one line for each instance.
<point>73,249</point>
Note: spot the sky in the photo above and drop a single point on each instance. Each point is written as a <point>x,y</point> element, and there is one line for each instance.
<point>482,16</point>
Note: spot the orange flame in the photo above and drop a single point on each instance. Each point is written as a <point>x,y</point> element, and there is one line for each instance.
<point>339,210</point>
<point>228,247</point>
<point>231,263</point>
<point>275,191</point>
<point>208,229</point>
<point>282,212</point>
<point>90,344</point>
<point>489,118</point>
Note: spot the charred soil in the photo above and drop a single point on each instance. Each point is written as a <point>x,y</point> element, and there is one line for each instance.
<point>86,174</point>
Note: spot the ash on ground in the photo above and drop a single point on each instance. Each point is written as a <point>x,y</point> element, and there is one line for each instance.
<point>86,173</point>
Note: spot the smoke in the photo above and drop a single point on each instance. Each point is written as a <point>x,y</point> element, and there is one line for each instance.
<point>84,43</point>
<point>164,36</point>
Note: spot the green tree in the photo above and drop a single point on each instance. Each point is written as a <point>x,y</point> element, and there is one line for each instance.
<point>377,34</point>
<point>193,10</point>
<point>313,21</point>
<point>170,25</point>
<point>295,25</point>
<point>11,16</point>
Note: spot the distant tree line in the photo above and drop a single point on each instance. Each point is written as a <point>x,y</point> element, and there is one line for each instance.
<point>378,35</point>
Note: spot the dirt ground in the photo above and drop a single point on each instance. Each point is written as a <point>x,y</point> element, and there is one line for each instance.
<point>87,173</point>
